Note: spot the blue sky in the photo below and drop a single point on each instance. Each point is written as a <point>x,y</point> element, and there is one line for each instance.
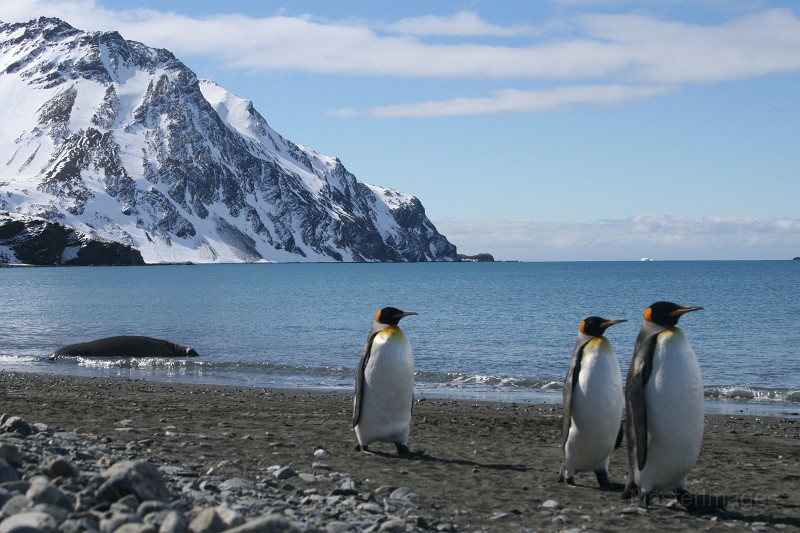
<point>533,130</point>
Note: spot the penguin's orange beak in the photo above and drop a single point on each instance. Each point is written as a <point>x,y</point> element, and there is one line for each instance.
<point>684,310</point>
<point>609,323</point>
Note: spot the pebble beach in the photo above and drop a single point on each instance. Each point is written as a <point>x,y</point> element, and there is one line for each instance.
<point>114,454</point>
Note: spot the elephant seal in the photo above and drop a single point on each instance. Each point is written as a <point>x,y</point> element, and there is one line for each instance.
<point>125,346</point>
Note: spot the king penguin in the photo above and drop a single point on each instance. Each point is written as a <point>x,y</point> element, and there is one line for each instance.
<point>664,405</point>
<point>384,393</point>
<point>593,403</point>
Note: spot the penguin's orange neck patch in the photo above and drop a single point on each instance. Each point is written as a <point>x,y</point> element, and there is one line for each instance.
<point>648,314</point>
<point>669,332</point>
<point>596,340</point>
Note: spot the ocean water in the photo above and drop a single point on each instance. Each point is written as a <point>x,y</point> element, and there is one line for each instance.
<point>489,331</point>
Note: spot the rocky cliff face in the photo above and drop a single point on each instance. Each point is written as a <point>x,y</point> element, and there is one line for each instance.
<point>36,241</point>
<point>123,143</point>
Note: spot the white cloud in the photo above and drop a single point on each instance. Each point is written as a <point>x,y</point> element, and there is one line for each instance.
<point>760,44</point>
<point>603,59</point>
<point>627,47</point>
<point>463,23</point>
<point>516,101</point>
<point>659,237</point>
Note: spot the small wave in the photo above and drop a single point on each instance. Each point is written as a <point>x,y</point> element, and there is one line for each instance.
<point>18,359</point>
<point>505,383</point>
<point>171,363</point>
<point>752,394</point>
<point>138,363</point>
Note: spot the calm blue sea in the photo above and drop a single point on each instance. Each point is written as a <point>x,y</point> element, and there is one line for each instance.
<point>490,331</point>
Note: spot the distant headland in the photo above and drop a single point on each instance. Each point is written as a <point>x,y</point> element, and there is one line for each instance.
<point>478,258</point>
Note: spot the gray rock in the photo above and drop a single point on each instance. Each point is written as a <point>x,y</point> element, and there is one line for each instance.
<point>384,490</point>
<point>349,484</point>
<point>28,522</point>
<point>42,491</point>
<point>230,517</point>
<point>552,504</point>
<point>136,528</point>
<point>394,525</point>
<point>151,506</point>
<point>403,493</point>
<point>266,524</point>
<point>18,425</point>
<point>17,504</point>
<point>133,477</point>
<point>69,436</point>
<point>207,521</point>
<point>11,454</point>
<point>235,483</point>
<point>174,522</point>
<point>54,466</point>
<point>58,513</point>
<point>78,525</point>
<point>7,472</point>
<point>117,520</point>
<point>285,473</point>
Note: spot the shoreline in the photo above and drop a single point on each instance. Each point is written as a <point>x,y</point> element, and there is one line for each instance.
<point>486,466</point>
<point>733,406</point>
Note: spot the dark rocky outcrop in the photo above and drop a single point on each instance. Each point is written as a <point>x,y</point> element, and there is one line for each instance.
<point>478,258</point>
<point>36,241</point>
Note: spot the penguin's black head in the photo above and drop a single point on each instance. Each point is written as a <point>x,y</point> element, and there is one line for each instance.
<point>596,326</point>
<point>191,352</point>
<point>667,314</point>
<point>391,315</point>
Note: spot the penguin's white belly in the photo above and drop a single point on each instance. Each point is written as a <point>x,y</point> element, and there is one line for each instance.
<point>597,402</point>
<point>388,390</point>
<point>674,402</point>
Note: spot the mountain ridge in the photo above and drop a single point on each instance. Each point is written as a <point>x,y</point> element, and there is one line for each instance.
<point>124,143</point>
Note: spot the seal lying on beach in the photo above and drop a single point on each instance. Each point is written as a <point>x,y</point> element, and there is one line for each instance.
<point>125,346</point>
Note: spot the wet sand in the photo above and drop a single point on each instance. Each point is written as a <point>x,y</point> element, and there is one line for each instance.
<point>486,466</point>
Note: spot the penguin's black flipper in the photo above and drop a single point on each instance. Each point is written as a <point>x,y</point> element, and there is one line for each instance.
<point>636,411</point>
<point>362,366</point>
<point>570,381</point>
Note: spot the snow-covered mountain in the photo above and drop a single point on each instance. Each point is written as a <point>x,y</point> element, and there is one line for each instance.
<point>123,143</point>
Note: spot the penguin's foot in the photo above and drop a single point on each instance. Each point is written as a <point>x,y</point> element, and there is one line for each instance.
<point>631,491</point>
<point>363,449</point>
<point>645,499</point>
<point>602,479</point>
<point>570,481</point>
